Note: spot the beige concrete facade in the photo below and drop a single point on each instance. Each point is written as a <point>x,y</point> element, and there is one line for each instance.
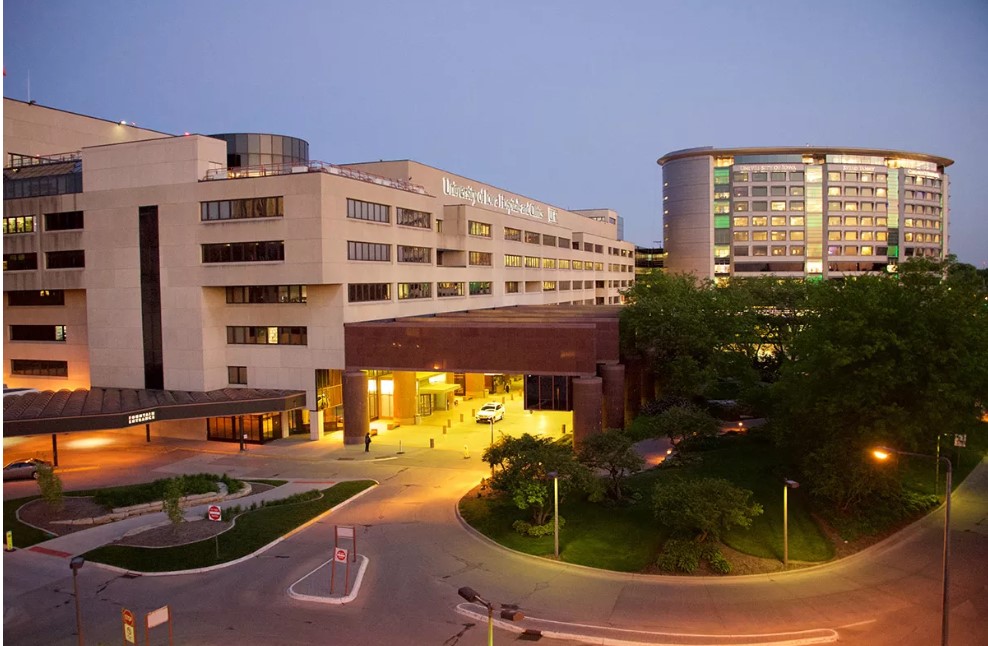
<point>559,256</point>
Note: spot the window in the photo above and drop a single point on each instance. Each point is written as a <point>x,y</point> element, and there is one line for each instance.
<point>534,262</point>
<point>548,286</point>
<point>564,243</point>
<point>759,177</point>
<point>778,250</point>
<point>867,221</point>
<point>360,210</point>
<point>740,191</point>
<point>74,259</point>
<point>414,254</point>
<point>577,264</point>
<point>778,235</point>
<point>778,176</point>
<point>38,333</point>
<point>39,368</point>
<point>881,222</point>
<point>759,221</point>
<point>834,206</point>
<point>532,237</point>
<point>237,375</point>
<point>512,234</point>
<point>740,176</point>
<point>833,190</point>
<point>867,177</point>
<point>741,221</point>
<point>867,206</point>
<point>511,287</point>
<point>548,240</point>
<point>20,261</point>
<point>740,207</point>
<point>411,218</point>
<point>740,250</point>
<point>851,221</point>
<point>796,205</point>
<point>797,220</point>
<point>408,291</point>
<point>266,335</point>
<point>796,176</point>
<point>35,298</point>
<point>833,220</point>
<point>851,250</point>
<point>850,177</point>
<point>759,250</point>
<point>481,229</point>
<point>779,205</point>
<point>563,263</point>
<point>722,207</point>
<point>759,207</point>
<point>511,260</point>
<point>482,258</point>
<point>778,190</point>
<point>363,292</point>
<point>64,221</point>
<point>722,195</point>
<point>867,250</point>
<point>759,191</point>
<point>548,263</point>
<point>833,235</point>
<point>19,224</point>
<point>251,207</point>
<point>796,190</point>
<point>796,251</point>
<point>480,288</point>
<point>778,220</point>
<point>867,235</point>
<point>851,191</point>
<point>447,289</point>
<point>850,235</point>
<point>264,251</point>
<point>759,236</point>
<point>833,176</point>
<point>368,251</point>
<point>266,294</point>
<point>797,235</point>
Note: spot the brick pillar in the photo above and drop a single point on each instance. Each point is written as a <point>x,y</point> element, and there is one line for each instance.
<point>587,397</point>
<point>356,420</point>
<point>315,424</point>
<point>612,375</point>
<point>633,387</point>
<point>475,384</point>
<point>284,424</point>
<point>406,397</point>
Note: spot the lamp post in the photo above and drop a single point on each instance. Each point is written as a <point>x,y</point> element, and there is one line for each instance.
<point>555,511</point>
<point>506,613</point>
<point>789,484</point>
<point>883,453</point>
<point>75,564</point>
<point>492,430</point>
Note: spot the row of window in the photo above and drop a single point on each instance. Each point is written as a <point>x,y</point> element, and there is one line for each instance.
<point>39,368</point>
<point>266,335</point>
<point>16,188</point>
<point>922,195</point>
<point>242,209</point>
<point>72,259</point>
<point>921,224</point>
<point>832,250</point>
<point>857,235</point>
<point>266,294</point>
<point>369,292</point>
<point>262,251</point>
<point>924,181</point>
<point>909,236</point>
<point>35,298</point>
<point>857,191</point>
<point>56,333</point>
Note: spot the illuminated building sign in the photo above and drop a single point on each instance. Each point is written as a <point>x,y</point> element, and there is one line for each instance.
<point>141,418</point>
<point>509,205</point>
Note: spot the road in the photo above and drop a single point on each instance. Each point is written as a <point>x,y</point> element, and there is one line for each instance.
<point>420,555</point>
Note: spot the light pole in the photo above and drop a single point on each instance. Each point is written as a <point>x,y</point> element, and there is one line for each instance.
<point>883,453</point>
<point>75,564</point>
<point>506,613</point>
<point>788,484</point>
<point>492,430</point>
<point>555,511</point>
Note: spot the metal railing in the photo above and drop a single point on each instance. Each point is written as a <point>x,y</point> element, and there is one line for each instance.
<point>268,170</point>
<point>17,160</point>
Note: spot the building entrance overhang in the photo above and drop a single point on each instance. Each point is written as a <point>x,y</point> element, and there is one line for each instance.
<point>66,411</point>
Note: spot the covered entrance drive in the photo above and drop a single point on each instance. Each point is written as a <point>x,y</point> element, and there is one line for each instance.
<point>568,354</point>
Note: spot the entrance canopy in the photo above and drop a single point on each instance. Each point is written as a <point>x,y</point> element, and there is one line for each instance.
<point>66,411</point>
<point>528,339</point>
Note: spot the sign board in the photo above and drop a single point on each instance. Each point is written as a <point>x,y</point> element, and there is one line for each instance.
<point>960,440</point>
<point>344,531</point>
<point>157,617</point>
<point>340,555</point>
<point>130,636</point>
<point>214,513</point>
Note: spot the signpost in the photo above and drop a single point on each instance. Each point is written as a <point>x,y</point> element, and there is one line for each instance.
<point>156,618</point>
<point>129,633</point>
<point>340,555</point>
<point>214,513</point>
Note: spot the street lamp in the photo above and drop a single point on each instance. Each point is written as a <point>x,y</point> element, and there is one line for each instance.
<point>883,453</point>
<point>506,613</point>
<point>555,511</point>
<point>492,430</point>
<point>789,484</point>
<point>75,564</point>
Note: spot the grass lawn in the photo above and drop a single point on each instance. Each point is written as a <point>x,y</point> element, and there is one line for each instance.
<point>24,535</point>
<point>253,530</point>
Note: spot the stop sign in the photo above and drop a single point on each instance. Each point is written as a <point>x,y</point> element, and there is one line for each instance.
<point>214,513</point>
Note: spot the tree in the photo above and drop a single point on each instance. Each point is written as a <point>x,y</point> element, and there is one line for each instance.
<point>611,451</point>
<point>704,507</point>
<point>171,503</point>
<point>520,468</point>
<point>684,422</point>
<point>50,485</point>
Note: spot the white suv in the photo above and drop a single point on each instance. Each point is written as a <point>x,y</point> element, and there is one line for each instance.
<point>490,411</point>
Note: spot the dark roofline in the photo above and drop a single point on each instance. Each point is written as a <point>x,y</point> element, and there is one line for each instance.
<point>88,116</point>
<point>799,150</point>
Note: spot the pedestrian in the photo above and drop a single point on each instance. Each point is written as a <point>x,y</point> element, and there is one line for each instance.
<point>507,387</point>
<point>367,442</point>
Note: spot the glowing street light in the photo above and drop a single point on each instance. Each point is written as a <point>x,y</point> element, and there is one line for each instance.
<point>506,613</point>
<point>75,564</point>
<point>789,484</point>
<point>884,453</point>
<point>555,511</point>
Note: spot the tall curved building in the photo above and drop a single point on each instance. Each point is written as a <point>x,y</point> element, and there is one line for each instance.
<point>814,212</point>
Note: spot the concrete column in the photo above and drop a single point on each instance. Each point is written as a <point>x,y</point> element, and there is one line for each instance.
<point>315,424</point>
<point>612,375</point>
<point>284,424</point>
<point>406,397</point>
<point>475,384</point>
<point>633,387</point>
<point>587,398</point>
<point>356,419</point>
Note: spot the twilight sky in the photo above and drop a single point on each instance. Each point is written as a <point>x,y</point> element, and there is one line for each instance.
<point>568,102</point>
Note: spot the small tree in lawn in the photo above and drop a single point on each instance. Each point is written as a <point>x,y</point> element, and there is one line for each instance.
<point>611,451</point>
<point>695,510</point>
<point>172,500</point>
<point>684,422</point>
<point>520,468</point>
<point>51,487</point>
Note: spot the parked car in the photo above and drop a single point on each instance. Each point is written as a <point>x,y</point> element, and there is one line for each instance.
<point>490,411</point>
<point>23,469</point>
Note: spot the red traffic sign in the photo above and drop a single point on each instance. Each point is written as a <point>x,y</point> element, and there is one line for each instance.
<point>214,513</point>
<point>128,617</point>
<point>130,636</point>
<point>340,555</point>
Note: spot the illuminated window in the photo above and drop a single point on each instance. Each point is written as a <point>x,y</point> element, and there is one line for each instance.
<point>741,206</point>
<point>480,288</point>
<point>778,220</point>
<point>881,191</point>
<point>796,235</point>
<point>833,235</point>
<point>851,191</point>
<point>511,260</point>
<point>779,205</point>
<point>408,291</point>
<point>833,190</point>
<point>740,176</point>
<point>482,258</point>
<point>741,221</point>
<point>796,220</point>
<point>722,208</point>
<point>908,222</point>
<point>833,250</point>
<point>740,236</point>
<point>533,262</point>
<point>850,177</point>
<point>759,236</point>
<point>850,235</point>
<point>867,206</point>
<point>796,205</point>
<point>881,222</point>
<point>796,190</point>
<point>867,235</point>
<point>759,221</point>
<point>834,176</point>
<point>512,234</point>
<point>907,236</point>
<point>851,250</point>
<point>833,220</point>
<point>834,206</point>
<point>867,191</point>
<point>881,235</point>
<point>851,221</point>
<point>481,229</point>
<point>778,235</point>
<point>759,250</point>
<point>796,251</point>
<point>867,177</point>
<point>778,250</point>
<point>447,289</point>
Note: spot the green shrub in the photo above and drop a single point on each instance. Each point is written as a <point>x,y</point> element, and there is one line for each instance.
<point>171,501</point>
<point>155,491</point>
<point>535,531</point>
<point>51,487</point>
<point>681,555</point>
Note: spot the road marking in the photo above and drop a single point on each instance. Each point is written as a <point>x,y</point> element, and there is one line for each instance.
<point>74,469</point>
<point>49,552</point>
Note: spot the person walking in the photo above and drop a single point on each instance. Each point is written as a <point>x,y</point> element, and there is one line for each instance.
<point>367,441</point>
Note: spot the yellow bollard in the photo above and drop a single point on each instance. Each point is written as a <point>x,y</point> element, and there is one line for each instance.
<point>10,541</point>
<point>466,452</point>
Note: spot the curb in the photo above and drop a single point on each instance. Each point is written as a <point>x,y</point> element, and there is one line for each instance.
<point>358,579</point>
